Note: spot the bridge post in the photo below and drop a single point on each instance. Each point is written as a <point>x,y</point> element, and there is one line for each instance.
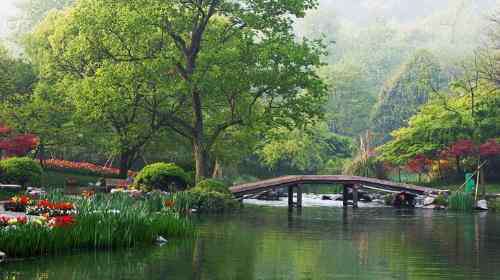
<point>290,197</point>
<point>355,197</point>
<point>299,196</point>
<point>345,193</point>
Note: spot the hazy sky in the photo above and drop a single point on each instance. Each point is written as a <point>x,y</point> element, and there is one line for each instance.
<point>7,10</point>
<point>354,10</point>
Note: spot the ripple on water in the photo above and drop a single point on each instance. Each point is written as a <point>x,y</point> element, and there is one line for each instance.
<point>316,243</point>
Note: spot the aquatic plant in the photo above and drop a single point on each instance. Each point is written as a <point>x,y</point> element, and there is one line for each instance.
<point>461,201</point>
<point>441,200</point>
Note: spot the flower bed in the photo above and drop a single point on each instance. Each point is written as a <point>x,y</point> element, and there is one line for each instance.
<point>18,203</point>
<point>90,222</point>
<point>84,168</point>
<point>51,209</point>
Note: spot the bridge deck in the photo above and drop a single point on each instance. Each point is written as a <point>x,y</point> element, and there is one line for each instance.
<point>286,181</point>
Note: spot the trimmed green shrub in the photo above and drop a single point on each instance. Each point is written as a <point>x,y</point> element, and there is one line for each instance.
<point>23,171</point>
<point>163,176</point>
<point>208,185</point>
<point>204,201</point>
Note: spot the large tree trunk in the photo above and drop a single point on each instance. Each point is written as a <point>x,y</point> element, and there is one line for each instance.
<point>200,158</point>
<point>217,171</point>
<point>199,146</point>
<point>124,164</point>
<point>459,167</point>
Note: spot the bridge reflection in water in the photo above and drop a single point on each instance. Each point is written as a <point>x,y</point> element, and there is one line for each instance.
<point>350,184</point>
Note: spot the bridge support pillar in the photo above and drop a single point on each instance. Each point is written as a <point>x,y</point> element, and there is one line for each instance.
<point>290,197</point>
<point>299,196</point>
<point>355,196</point>
<point>291,201</point>
<point>345,193</point>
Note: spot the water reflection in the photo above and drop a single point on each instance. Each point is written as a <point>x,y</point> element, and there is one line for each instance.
<point>317,243</point>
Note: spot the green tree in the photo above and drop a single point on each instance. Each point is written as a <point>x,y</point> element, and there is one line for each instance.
<point>204,66</point>
<point>350,99</point>
<point>17,77</point>
<point>107,94</point>
<point>309,150</point>
<point>442,122</point>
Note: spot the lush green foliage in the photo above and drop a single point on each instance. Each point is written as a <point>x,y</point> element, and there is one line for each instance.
<point>307,150</point>
<point>441,200</point>
<point>128,72</point>
<point>444,121</point>
<point>163,176</point>
<point>23,171</point>
<point>211,185</point>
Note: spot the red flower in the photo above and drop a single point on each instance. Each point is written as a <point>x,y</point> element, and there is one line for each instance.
<point>169,203</point>
<point>21,200</point>
<point>97,169</point>
<point>62,221</point>
<point>4,220</point>
<point>44,203</point>
<point>22,220</point>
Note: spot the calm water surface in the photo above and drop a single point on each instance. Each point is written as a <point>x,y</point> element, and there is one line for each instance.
<point>319,243</point>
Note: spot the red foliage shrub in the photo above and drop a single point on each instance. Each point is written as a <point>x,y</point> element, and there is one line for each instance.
<point>462,148</point>
<point>419,164</point>
<point>490,148</point>
<point>17,145</point>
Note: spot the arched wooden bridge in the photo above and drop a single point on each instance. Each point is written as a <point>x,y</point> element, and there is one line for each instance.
<point>349,182</point>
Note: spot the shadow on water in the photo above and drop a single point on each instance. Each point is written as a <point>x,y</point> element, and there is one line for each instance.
<point>315,243</point>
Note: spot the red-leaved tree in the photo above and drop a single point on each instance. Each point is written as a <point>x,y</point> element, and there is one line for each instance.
<point>16,145</point>
<point>420,164</point>
<point>490,148</point>
<point>467,148</point>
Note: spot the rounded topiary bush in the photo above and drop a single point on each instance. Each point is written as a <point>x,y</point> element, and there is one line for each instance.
<point>163,176</point>
<point>212,185</point>
<point>23,171</point>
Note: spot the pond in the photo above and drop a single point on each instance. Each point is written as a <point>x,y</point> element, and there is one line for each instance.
<point>318,243</point>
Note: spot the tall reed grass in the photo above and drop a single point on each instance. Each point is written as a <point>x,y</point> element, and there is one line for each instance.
<point>461,201</point>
